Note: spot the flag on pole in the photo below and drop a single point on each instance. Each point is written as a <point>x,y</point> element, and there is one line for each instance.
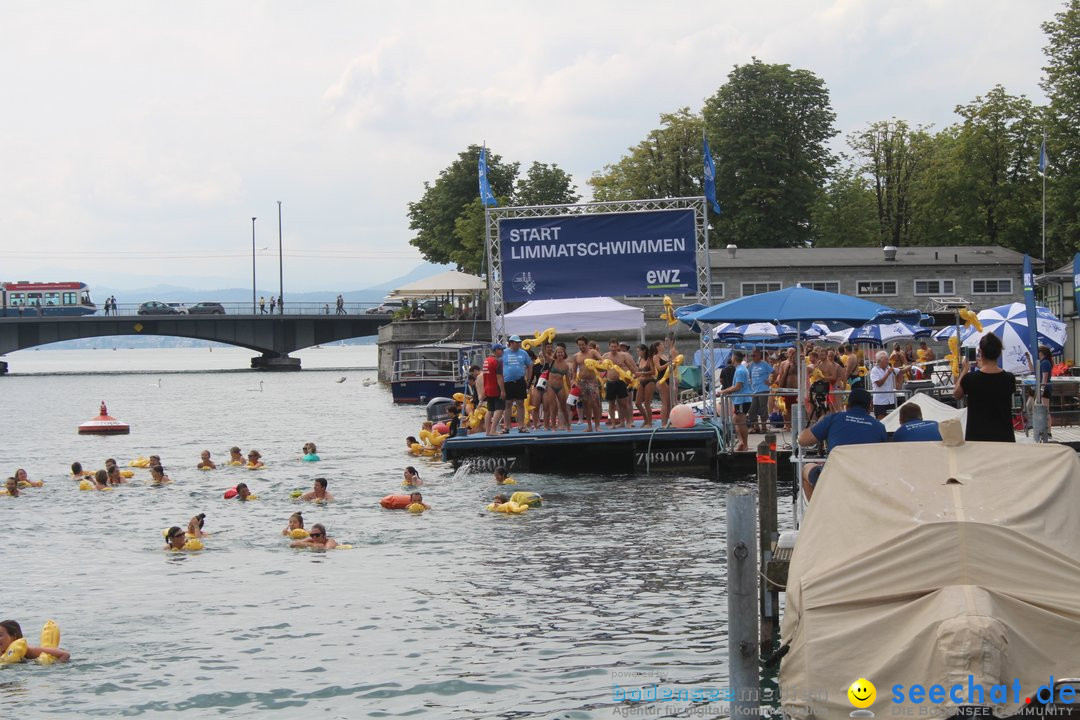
<point>1032,313</point>
<point>1043,159</point>
<point>710,176</point>
<point>486,196</point>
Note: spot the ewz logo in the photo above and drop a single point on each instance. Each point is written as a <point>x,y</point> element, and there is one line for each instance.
<point>666,278</point>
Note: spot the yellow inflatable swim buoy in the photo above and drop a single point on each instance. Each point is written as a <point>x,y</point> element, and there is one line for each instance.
<point>127,473</point>
<point>236,463</point>
<point>299,533</point>
<point>140,462</point>
<point>15,653</point>
<point>523,497</point>
<point>669,311</point>
<point>86,485</point>
<point>509,507</point>
<point>193,544</point>
<point>415,508</point>
<point>50,638</point>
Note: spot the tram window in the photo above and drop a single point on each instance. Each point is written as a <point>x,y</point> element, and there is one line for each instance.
<point>15,299</point>
<point>69,298</point>
<point>33,298</point>
<point>52,298</point>
<point>86,298</point>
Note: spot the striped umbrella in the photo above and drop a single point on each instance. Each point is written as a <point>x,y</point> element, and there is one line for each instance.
<point>878,334</point>
<point>1010,324</point>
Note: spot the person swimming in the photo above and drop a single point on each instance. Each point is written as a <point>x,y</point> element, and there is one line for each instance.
<point>205,463</point>
<point>410,441</point>
<point>236,457</point>
<point>418,499</point>
<point>101,479</point>
<point>296,522</point>
<point>114,476</point>
<point>158,476</point>
<point>25,481</point>
<point>311,454</point>
<point>412,478</point>
<point>77,470</point>
<point>502,478</point>
<point>195,526</point>
<point>243,493</point>
<point>11,487</point>
<point>317,539</point>
<point>10,631</point>
<point>175,538</point>
<point>254,461</point>
<point>318,492</point>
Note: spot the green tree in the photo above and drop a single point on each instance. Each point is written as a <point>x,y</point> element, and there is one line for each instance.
<point>768,126</point>
<point>545,184</point>
<point>667,163</point>
<point>845,211</point>
<point>434,216</point>
<point>1061,82</point>
<point>891,154</point>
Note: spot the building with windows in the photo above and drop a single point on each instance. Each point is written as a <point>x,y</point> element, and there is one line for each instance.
<point>1055,291</point>
<point>907,277</point>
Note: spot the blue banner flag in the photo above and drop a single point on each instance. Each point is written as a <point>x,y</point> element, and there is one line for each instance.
<point>1043,160</point>
<point>1076,283</point>
<point>486,196</point>
<point>1032,314</point>
<point>632,253</point>
<point>710,176</point>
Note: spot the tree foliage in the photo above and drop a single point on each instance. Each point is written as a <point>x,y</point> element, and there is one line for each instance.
<point>449,217</point>
<point>845,212</point>
<point>768,126</point>
<point>1061,83</point>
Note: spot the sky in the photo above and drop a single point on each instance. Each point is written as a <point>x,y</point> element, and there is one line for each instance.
<point>139,138</point>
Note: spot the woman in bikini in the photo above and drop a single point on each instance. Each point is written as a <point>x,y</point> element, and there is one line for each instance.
<point>555,395</point>
<point>646,376</point>
<point>536,395</point>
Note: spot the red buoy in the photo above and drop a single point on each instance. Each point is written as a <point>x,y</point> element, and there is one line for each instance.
<point>103,424</point>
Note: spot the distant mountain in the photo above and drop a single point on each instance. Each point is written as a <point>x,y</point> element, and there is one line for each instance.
<point>177,293</point>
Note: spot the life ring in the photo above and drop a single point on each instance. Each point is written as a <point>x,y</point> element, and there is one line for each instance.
<point>395,502</point>
<point>524,497</point>
<point>299,533</point>
<point>15,653</point>
<point>310,457</point>
<point>140,462</point>
<point>509,507</point>
<point>415,507</point>
<point>50,638</point>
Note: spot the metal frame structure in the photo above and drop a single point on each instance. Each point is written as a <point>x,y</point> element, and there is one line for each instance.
<point>497,306</point>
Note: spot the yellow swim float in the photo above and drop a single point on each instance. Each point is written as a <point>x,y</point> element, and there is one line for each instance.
<point>509,507</point>
<point>299,533</point>
<point>523,497</point>
<point>15,653</point>
<point>50,638</point>
<point>140,462</point>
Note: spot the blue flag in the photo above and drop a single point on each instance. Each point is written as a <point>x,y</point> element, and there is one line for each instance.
<point>710,177</point>
<point>1043,160</point>
<point>1076,281</point>
<point>1032,313</point>
<point>486,196</point>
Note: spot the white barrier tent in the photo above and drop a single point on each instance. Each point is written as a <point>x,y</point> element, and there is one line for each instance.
<point>574,316</point>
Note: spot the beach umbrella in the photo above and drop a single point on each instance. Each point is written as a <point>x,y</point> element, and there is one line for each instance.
<point>878,334</point>
<point>1010,324</point>
<point>758,331</point>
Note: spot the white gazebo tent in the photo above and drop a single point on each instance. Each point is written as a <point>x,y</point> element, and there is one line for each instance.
<point>447,283</point>
<point>574,315</point>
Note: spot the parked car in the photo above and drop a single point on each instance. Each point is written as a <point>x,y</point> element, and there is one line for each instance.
<point>206,308</point>
<point>388,307</point>
<point>153,307</point>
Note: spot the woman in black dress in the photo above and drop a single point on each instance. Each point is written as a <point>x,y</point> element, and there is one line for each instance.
<point>989,392</point>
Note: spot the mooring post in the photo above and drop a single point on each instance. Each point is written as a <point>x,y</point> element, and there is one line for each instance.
<point>767,529</point>
<point>742,606</point>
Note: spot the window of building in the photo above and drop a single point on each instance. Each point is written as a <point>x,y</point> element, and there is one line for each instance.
<point>935,287</point>
<point>832,286</point>
<point>992,286</point>
<point>756,288</point>
<point>875,287</point>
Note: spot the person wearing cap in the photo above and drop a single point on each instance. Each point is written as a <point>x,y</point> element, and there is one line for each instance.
<point>854,426</point>
<point>517,372</point>
<point>492,388</point>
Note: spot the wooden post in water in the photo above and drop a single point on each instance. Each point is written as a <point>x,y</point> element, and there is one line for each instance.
<point>742,605</point>
<point>767,532</point>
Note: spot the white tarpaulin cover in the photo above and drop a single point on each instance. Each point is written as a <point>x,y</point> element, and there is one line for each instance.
<point>447,283</point>
<point>944,562</point>
<point>931,410</point>
<point>574,315</point>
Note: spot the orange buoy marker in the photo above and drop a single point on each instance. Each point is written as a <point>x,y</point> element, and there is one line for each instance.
<point>104,425</point>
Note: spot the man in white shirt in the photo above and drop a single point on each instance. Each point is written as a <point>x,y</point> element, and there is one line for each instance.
<point>883,385</point>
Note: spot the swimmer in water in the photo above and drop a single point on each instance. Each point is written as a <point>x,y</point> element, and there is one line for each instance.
<point>109,462</point>
<point>205,462</point>
<point>11,487</point>
<point>311,454</point>
<point>410,441</point>
<point>296,522</point>
<point>412,478</point>
<point>77,470</point>
<point>114,476</point>
<point>499,500</point>
<point>235,457</point>
<point>10,631</point>
<point>502,478</point>
<point>24,481</point>
<point>158,476</point>
<point>101,479</point>
<point>255,460</point>
<point>318,492</point>
<point>242,492</point>
<point>418,499</point>
<point>195,526</point>
<point>318,539</point>
<point>175,538</point>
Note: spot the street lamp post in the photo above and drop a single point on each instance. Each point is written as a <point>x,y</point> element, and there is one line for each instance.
<point>281,266</point>
<point>252,266</point>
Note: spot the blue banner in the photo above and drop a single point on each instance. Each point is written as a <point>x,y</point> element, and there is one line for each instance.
<point>486,196</point>
<point>710,176</point>
<point>1032,315</point>
<point>634,253</point>
<point>1076,284</point>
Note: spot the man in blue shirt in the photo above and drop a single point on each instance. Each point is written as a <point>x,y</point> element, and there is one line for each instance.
<point>517,370</point>
<point>758,417</point>
<point>740,398</point>
<point>913,428</point>
<point>854,426</point>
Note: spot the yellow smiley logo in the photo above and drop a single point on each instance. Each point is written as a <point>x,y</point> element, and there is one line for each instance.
<point>862,693</point>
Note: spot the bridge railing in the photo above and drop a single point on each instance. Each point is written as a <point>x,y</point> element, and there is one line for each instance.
<point>245,309</point>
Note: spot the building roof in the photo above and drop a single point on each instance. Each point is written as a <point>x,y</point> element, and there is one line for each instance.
<point>865,257</point>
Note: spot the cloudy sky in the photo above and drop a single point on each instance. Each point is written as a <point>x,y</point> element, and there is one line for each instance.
<point>139,138</point>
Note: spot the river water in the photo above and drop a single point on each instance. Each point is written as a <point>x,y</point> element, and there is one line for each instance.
<point>616,583</point>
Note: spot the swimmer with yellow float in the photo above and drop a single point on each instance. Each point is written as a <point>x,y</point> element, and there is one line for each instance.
<point>296,529</point>
<point>25,481</point>
<point>14,648</point>
<point>412,478</point>
<point>235,457</point>
<point>205,463</point>
<point>176,540</point>
<point>317,539</point>
<point>11,487</point>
